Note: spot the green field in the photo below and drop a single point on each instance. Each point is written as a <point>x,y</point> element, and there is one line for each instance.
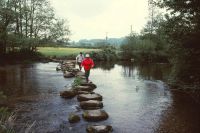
<point>59,52</point>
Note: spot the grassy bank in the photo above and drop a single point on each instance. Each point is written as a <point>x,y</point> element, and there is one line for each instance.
<point>61,52</point>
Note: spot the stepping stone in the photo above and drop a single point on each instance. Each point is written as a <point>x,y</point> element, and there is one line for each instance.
<point>95,115</point>
<point>89,84</point>
<point>86,97</point>
<point>73,118</point>
<point>74,71</point>
<point>58,68</point>
<point>68,93</point>
<point>91,104</point>
<point>99,129</point>
<point>83,92</point>
<point>70,66</point>
<point>80,74</point>
<point>81,77</point>
<point>83,88</point>
<point>68,75</point>
<point>69,63</point>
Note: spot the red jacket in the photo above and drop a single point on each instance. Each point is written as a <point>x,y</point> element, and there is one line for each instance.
<point>87,63</point>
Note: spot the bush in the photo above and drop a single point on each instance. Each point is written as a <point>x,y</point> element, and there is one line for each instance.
<point>107,53</point>
<point>144,50</point>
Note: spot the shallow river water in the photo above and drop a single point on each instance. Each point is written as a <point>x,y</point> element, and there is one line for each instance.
<point>135,97</point>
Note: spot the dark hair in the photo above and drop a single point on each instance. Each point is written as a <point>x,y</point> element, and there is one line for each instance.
<point>81,53</point>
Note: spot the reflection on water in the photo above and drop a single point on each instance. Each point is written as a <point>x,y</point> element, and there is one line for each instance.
<point>134,102</point>
<point>147,71</point>
<point>20,80</point>
<point>135,97</point>
<point>105,65</point>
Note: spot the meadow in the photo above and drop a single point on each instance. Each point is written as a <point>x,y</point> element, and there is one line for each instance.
<point>60,52</point>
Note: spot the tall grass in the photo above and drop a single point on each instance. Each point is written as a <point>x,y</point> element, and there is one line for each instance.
<point>6,118</point>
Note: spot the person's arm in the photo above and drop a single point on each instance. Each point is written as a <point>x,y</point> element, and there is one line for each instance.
<point>77,59</point>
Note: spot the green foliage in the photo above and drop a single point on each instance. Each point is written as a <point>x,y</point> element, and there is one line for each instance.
<point>28,23</point>
<point>107,53</point>
<point>146,48</point>
<point>4,116</point>
<point>2,96</point>
<point>182,29</point>
<point>77,81</point>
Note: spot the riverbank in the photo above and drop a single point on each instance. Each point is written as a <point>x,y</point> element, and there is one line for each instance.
<point>23,57</point>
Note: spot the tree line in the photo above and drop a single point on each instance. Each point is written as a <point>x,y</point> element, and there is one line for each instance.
<point>150,45</point>
<point>182,32</point>
<point>174,35</point>
<point>26,24</point>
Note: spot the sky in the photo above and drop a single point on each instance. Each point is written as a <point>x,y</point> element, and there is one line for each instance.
<point>93,19</point>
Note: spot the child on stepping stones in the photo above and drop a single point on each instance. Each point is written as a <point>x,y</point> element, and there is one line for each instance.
<point>87,63</point>
<point>79,59</point>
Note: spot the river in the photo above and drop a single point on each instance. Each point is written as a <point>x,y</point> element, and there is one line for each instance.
<point>135,97</point>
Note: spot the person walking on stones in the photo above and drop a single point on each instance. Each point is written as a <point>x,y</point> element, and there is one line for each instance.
<point>87,63</point>
<point>79,59</point>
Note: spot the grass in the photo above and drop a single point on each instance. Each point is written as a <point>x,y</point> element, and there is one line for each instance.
<point>60,52</point>
<point>78,81</point>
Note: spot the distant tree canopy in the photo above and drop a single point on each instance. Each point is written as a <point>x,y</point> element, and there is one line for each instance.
<point>27,23</point>
<point>150,45</point>
<point>144,48</point>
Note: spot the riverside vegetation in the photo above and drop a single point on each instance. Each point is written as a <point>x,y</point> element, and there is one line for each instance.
<point>5,117</point>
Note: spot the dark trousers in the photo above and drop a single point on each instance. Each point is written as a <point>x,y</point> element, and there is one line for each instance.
<point>87,74</point>
<point>79,64</point>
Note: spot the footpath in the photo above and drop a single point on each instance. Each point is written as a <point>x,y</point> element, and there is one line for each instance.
<point>90,102</point>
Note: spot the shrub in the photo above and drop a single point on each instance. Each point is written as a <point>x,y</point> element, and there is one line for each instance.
<point>107,53</point>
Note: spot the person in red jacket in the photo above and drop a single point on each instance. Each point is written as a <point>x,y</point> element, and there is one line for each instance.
<point>87,63</point>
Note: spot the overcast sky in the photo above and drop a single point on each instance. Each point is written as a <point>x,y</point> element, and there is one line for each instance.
<point>89,19</point>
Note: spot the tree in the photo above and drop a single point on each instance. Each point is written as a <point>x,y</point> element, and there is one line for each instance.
<point>59,31</point>
<point>182,29</point>
<point>6,17</point>
<point>23,23</point>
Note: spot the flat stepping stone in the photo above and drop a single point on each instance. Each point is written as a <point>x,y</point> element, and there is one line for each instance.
<point>99,129</point>
<point>86,97</point>
<point>68,93</point>
<point>75,70</point>
<point>95,115</point>
<point>68,75</point>
<point>80,74</point>
<point>58,68</point>
<point>84,88</point>
<point>73,118</point>
<point>83,92</point>
<point>91,104</point>
<point>68,62</point>
<point>81,77</point>
<point>89,84</point>
<point>70,66</point>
